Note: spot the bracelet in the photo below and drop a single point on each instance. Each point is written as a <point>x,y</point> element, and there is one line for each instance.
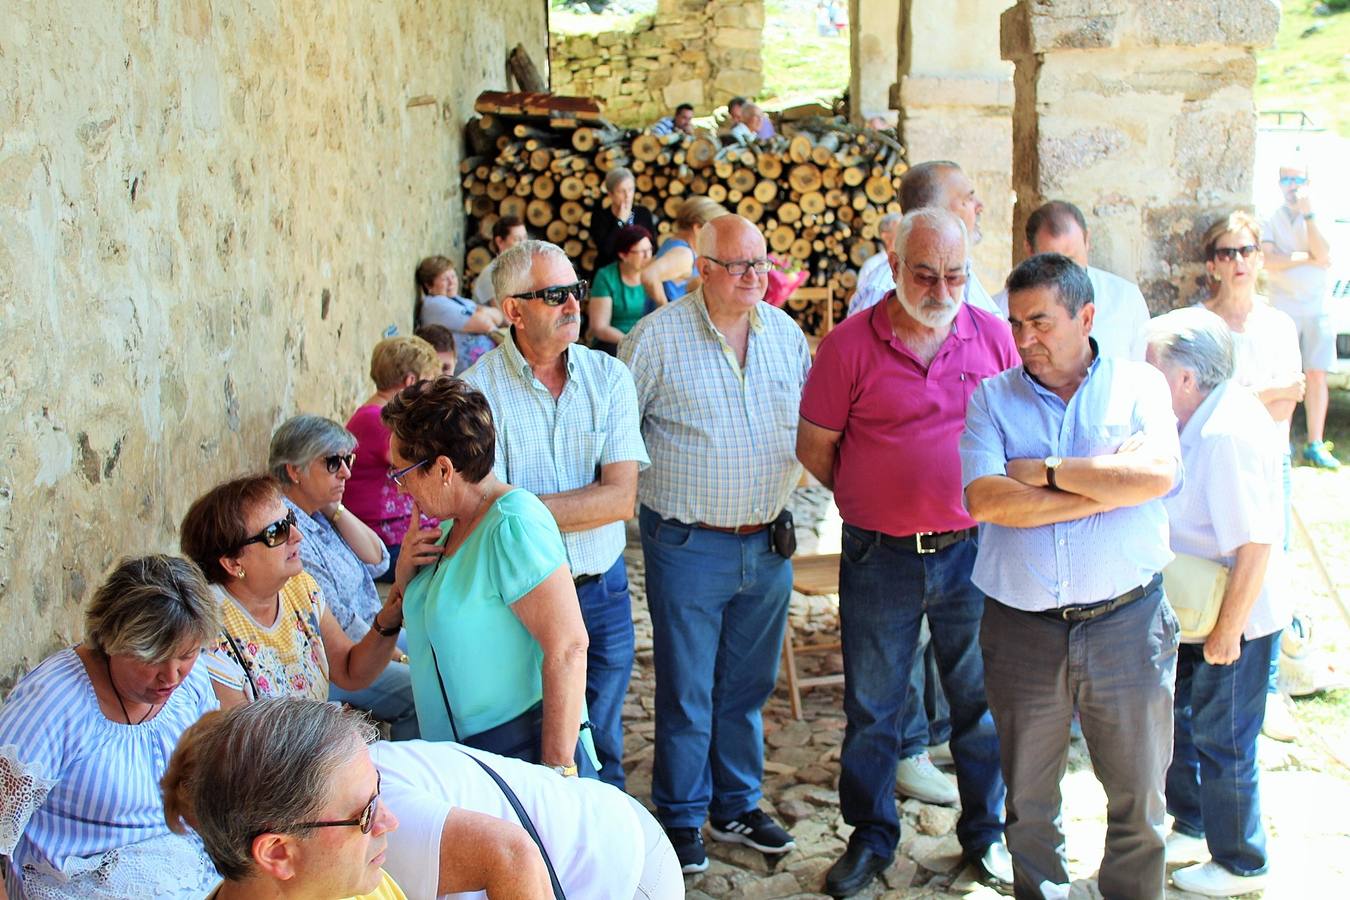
<point>1308,217</point>
<point>381,630</point>
<point>569,771</point>
<point>337,513</point>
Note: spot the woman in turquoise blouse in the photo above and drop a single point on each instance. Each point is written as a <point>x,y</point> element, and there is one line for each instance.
<point>617,297</point>
<point>495,635</point>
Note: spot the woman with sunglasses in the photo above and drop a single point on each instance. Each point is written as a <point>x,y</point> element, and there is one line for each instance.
<point>278,637</point>
<point>302,788</point>
<point>495,632</point>
<point>312,458</point>
<point>85,736</point>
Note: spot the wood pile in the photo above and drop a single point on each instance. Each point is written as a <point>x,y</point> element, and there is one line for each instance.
<point>817,191</point>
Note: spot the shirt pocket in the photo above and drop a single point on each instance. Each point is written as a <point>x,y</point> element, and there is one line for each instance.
<point>586,463</point>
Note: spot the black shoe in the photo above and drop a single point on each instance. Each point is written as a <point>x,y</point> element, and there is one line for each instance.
<point>754,829</point>
<point>854,870</point>
<point>688,844</point>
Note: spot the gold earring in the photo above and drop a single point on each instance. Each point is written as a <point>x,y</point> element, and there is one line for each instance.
<point>239,574</point>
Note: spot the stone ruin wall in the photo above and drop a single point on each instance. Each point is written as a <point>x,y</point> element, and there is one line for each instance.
<point>690,51</point>
<point>209,212</point>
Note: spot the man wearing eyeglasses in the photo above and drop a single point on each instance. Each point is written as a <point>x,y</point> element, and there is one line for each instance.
<point>880,420</point>
<point>1065,460</point>
<point>1297,257</point>
<point>567,430</point>
<point>719,374</point>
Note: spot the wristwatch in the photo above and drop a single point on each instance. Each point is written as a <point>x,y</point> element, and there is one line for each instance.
<point>568,771</point>
<point>337,513</point>
<point>1051,464</point>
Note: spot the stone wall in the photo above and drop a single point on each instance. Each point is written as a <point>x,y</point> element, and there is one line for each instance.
<point>209,211</point>
<point>1141,113</point>
<point>690,51</point>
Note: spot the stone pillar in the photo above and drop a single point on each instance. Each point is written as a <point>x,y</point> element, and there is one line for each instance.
<point>874,58</point>
<point>735,48</point>
<point>955,103</point>
<point>1140,112</point>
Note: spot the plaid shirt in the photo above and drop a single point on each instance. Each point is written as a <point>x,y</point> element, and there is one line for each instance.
<point>547,446</point>
<point>722,438</point>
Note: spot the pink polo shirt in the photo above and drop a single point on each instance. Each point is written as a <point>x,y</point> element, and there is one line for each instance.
<point>897,470</point>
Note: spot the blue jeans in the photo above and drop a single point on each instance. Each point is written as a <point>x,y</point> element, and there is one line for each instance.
<point>608,614</point>
<point>885,588</point>
<point>389,699</point>
<point>719,608</point>
<point>1212,782</point>
<point>927,720</point>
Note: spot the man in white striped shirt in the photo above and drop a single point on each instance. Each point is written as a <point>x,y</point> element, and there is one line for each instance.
<point>719,377</point>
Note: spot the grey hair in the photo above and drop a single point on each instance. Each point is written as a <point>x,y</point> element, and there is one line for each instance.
<point>256,769</point>
<point>1195,339</point>
<point>925,185</point>
<point>148,607</point>
<point>1073,288</point>
<point>302,439</point>
<point>889,222</point>
<point>617,176</point>
<point>933,217</point>
<point>511,270</point>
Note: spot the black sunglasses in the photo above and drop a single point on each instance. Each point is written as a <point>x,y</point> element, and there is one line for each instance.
<point>558,294</point>
<point>1228,254</point>
<point>273,535</point>
<point>365,821</point>
<point>334,463</point>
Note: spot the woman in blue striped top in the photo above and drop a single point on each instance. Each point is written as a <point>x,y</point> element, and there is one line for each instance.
<point>86,736</point>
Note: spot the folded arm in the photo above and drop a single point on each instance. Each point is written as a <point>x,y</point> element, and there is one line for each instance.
<point>610,498</point>
<point>1001,500</point>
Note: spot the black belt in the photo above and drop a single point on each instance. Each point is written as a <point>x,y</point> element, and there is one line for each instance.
<point>1097,610</point>
<point>586,579</point>
<point>925,542</point>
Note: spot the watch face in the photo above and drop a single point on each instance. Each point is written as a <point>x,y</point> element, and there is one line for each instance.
<point>1052,461</point>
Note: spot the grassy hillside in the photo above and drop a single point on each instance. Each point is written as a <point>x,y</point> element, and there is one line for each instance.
<point>1308,67</point>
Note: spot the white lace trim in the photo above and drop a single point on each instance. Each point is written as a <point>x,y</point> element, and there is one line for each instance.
<point>168,866</point>
<point>24,791</point>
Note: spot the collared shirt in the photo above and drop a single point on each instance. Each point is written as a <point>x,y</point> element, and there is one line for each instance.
<point>1088,560</point>
<point>347,583</point>
<point>1120,320</point>
<point>875,280</point>
<point>897,469</point>
<point>1234,494</point>
<point>1299,290</point>
<point>663,126</point>
<point>548,446</point>
<point>722,438</point>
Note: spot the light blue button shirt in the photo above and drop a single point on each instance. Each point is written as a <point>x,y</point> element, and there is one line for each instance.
<point>548,446</point>
<point>1086,560</point>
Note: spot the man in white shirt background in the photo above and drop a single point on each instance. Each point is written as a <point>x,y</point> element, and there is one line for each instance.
<point>875,278</point>
<point>941,183</point>
<point>1122,314</point>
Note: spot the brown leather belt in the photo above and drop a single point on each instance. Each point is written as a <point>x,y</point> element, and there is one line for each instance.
<point>735,529</point>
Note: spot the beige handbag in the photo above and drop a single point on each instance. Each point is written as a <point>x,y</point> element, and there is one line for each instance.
<point>1195,587</point>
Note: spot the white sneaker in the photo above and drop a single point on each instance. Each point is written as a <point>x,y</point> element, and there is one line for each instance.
<point>997,862</point>
<point>1279,724</point>
<point>1182,848</point>
<point>1213,880</point>
<point>917,777</point>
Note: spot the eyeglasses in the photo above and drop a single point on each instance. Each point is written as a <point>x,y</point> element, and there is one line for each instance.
<point>557,294</point>
<point>396,475</point>
<point>334,463</point>
<point>737,268</point>
<point>1228,254</point>
<point>1293,179</point>
<point>273,535</point>
<point>365,821</point>
<point>928,280</point>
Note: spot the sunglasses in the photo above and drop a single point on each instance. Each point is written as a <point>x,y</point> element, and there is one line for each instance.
<point>1228,254</point>
<point>335,462</point>
<point>558,294</point>
<point>1293,179</point>
<point>365,821</point>
<point>273,535</point>
<point>396,475</point>
<point>929,280</point>
<point>737,268</point>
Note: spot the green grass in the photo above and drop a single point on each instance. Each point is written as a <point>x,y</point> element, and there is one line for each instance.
<point>1308,73</point>
<point>800,65</point>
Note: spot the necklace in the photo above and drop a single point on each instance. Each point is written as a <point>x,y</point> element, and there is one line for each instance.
<point>107,663</point>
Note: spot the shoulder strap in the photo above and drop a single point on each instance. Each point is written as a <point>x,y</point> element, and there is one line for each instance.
<point>525,822</point>
<point>440,683</point>
<point>244,665</point>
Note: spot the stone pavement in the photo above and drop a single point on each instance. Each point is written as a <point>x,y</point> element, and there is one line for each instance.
<point>802,770</point>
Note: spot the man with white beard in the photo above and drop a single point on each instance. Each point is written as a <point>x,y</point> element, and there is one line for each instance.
<point>881,417</point>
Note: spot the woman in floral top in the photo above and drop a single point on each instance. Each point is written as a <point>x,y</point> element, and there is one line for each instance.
<point>278,637</point>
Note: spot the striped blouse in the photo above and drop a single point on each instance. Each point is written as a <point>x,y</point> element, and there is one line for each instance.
<point>82,812</point>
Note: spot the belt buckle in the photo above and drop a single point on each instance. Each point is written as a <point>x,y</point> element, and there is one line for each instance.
<point>918,542</point>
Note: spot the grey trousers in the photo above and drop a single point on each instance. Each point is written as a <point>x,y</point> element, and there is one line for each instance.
<point>1119,671</point>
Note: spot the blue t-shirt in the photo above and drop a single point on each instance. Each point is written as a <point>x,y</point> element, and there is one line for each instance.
<point>677,288</point>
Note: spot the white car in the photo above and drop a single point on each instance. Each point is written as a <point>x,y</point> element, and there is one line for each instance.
<point>1338,303</point>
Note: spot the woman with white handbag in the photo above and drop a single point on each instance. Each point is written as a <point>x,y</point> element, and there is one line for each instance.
<point>1224,523</point>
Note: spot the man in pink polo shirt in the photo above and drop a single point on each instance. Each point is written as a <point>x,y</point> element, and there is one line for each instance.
<point>881,418</point>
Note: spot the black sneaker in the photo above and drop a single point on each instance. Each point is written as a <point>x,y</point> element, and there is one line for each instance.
<point>754,829</point>
<point>688,844</point>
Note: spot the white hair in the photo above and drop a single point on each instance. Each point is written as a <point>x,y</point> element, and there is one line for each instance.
<point>1196,339</point>
<point>932,217</point>
<point>511,270</point>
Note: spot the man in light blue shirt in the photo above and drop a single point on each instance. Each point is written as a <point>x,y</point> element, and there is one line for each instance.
<point>1065,460</point>
<point>567,430</point>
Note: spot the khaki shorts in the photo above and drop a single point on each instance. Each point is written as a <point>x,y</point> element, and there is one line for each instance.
<point>1316,341</point>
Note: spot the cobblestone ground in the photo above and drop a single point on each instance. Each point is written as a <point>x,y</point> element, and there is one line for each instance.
<point>1303,805</point>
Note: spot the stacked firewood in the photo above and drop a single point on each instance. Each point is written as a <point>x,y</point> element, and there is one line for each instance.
<point>817,191</point>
